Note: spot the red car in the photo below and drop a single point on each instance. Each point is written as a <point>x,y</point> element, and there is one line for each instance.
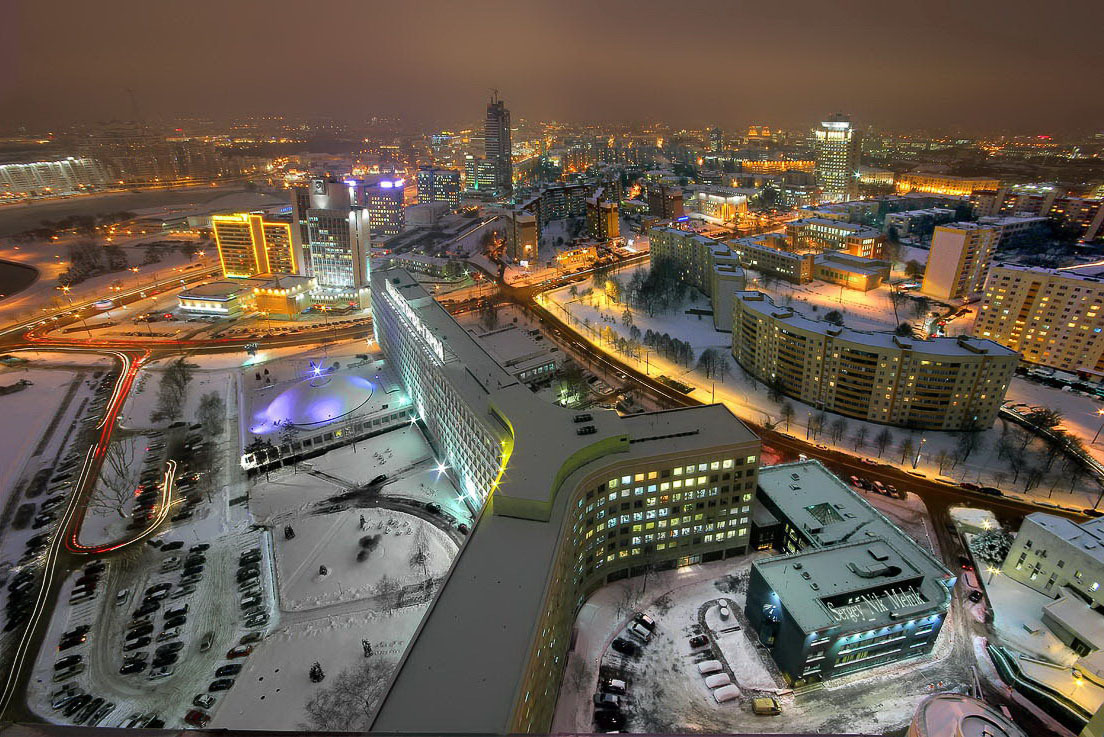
<point>239,652</point>
<point>197,718</point>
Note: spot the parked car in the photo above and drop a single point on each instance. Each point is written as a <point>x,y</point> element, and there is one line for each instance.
<point>625,647</point>
<point>221,684</point>
<point>613,685</point>
<point>609,719</point>
<point>230,669</point>
<point>132,666</point>
<point>239,652</point>
<point>974,596</point>
<point>197,718</point>
<point>607,701</point>
<point>699,641</point>
<point>645,621</point>
<point>137,644</point>
<point>640,631</point>
<point>766,706</point>
<point>204,701</point>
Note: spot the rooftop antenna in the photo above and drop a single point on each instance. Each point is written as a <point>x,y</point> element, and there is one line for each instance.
<point>494,95</point>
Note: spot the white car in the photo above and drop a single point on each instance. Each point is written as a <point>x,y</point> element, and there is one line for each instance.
<point>640,631</point>
<point>709,666</point>
<point>726,693</point>
<point>717,680</point>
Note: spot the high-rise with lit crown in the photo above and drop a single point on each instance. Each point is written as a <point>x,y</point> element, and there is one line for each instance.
<point>496,142</point>
<point>837,146</point>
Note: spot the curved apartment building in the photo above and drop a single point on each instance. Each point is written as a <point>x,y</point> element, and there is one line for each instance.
<point>939,384</point>
<point>569,501</point>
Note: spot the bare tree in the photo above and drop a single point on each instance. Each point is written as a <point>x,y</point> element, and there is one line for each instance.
<point>173,390</point>
<point>115,489</point>
<point>906,448</point>
<point>212,414</point>
<point>420,555</point>
<point>942,458</point>
<point>860,436</point>
<point>837,429</point>
<point>787,412</point>
<point>883,440</point>
<point>347,704</point>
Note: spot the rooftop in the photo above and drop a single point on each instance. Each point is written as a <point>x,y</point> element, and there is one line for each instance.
<point>475,641</point>
<point>861,568</point>
<point>959,346</point>
<point>221,290</point>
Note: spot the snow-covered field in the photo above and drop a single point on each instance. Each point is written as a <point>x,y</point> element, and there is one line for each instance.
<point>333,541</point>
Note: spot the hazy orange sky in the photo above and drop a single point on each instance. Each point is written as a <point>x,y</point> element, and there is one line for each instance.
<point>972,65</point>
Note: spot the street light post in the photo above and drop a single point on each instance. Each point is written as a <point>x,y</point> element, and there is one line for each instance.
<point>1099,412</point>
<point>916,460</point>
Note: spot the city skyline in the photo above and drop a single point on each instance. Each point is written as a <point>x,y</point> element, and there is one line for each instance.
<point>891,66</point>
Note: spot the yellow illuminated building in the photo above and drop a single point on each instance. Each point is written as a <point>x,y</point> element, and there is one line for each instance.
<point>944,184</point>
<point>776,167</point>
<point>249,245</point>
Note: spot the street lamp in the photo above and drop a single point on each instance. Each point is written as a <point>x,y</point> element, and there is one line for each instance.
<point>919,448</point>
<point>992,571</point>
<point>1099,412</point>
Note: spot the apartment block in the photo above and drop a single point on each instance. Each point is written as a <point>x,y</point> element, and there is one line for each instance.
<point>939,384</point>
<point>1053,317</point>
<point>824,234</point>
<point>958,261</point>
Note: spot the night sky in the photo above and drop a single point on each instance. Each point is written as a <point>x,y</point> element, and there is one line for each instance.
<point>975,66</point>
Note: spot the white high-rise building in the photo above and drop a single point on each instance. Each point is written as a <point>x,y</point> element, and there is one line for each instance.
<point>837,146</point>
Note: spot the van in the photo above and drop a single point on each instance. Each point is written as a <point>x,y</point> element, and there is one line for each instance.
<point>766,706</point>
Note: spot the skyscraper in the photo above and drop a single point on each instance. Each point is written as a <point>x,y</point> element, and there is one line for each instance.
<point>339,247</point>
<point>716,140</point>
<point>497,146</point>
<point>837,146</point>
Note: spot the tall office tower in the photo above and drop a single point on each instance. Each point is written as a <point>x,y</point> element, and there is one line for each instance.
<point>321,193</point>
<point>439,185</point>
<point>340,242</point>
<point>958,261</point>
<point>497,147</point>
<point>385,202</point>
<point>837,145</point>
<point>248,244</point>
<point>716,140</point>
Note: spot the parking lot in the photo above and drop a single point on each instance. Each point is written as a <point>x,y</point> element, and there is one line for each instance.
<point>149,634</point>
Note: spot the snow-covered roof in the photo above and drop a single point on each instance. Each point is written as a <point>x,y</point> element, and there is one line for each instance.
<point>855,553</point>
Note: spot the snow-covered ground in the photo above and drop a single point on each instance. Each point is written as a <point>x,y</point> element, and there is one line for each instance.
<point>666,693</point>
<point>334,540</point>
<point>749,400</point>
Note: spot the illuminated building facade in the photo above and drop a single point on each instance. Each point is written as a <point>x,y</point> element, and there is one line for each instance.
<point>851,591</point>
<point>340,243</point>
<point>248,244</point>
<point>50,178</point>
<point>603,218</point>
<point>283,296</point>
<point>825,234</point>
<point>572,501</point>
<point>958,261</point>
<point>837,146</point>
<point>497,146</point>
<point>439,185</point>
<point>384,201</point>
<point>938,384</point>
<point>1053,317</point>
<point>943,184</point>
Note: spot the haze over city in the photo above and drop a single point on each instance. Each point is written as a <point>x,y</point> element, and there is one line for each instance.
<point>971,67</point>
<point>552,368</point>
